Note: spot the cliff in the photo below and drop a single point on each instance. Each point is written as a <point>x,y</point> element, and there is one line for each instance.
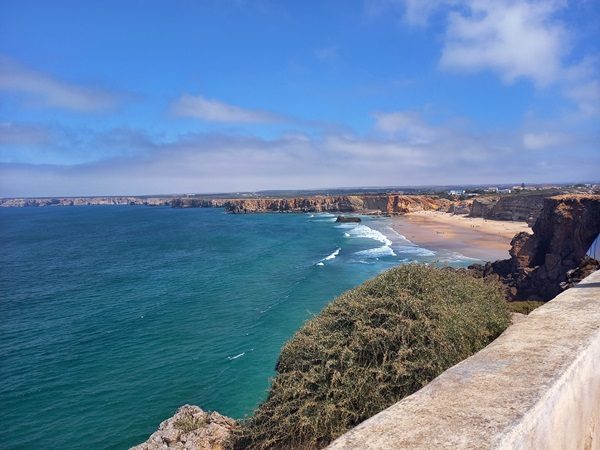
<point>368,204</point>
<point>541,263</point>
<point>526,207</point>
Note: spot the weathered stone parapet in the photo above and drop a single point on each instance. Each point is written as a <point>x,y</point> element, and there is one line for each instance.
<point>536,387</point>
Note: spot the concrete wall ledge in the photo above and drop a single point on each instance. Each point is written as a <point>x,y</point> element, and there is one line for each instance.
<point>535,387</point>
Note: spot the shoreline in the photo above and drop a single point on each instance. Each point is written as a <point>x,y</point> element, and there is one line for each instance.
<point>487,240</point>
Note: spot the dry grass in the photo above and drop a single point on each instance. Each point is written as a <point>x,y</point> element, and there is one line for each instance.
<point>369,348</point>
<point>187,424</point>
<point>524,307</point>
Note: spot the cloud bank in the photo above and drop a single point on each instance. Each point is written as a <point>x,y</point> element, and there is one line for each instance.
<point>402,149</point>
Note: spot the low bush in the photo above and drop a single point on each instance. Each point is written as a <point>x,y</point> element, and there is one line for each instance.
<point>370,347</point>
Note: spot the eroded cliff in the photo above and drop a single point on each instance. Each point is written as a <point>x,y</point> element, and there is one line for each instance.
<point>541,263</point>
<point>367,204</point>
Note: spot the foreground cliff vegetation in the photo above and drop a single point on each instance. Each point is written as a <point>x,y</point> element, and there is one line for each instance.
<point>369,348</point>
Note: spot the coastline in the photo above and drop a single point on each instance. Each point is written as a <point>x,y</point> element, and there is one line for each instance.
<point>487,240</point>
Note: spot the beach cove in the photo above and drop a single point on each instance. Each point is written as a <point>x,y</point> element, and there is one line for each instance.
<point>487,240</point>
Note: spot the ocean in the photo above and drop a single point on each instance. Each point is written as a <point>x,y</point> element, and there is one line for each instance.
<point>113,317</point>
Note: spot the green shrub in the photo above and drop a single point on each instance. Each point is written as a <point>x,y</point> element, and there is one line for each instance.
<point>369,348</point>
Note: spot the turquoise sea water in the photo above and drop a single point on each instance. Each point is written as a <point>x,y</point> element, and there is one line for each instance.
<point>112,317</point>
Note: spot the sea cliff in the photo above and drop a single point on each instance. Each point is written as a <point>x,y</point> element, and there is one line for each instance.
<point>366,204</point>
<point>541,263</point>
<point>526,207</point>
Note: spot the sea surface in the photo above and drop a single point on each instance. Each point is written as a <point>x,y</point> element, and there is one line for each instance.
<point>113,317</point>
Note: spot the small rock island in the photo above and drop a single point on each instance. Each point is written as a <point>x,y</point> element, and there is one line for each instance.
<point>345,219</point>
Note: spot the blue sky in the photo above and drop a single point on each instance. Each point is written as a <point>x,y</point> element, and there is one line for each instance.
<point>141,97</point>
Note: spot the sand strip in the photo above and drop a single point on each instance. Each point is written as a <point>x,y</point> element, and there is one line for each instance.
<point>488,240</point>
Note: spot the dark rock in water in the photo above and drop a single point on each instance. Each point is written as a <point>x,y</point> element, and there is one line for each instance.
<point>347,219</point>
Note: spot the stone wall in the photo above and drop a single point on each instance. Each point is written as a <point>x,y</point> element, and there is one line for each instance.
<point>535,387</point>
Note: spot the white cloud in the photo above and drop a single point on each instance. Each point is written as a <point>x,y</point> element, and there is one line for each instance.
<point>43,90</point>
<point>527,39</point>
<point>215,111</point>
<point>542,140</point>
<point>513,39</point>
<point>408,125</point>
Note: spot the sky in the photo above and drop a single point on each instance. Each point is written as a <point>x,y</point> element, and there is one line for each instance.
<point>136,97</point>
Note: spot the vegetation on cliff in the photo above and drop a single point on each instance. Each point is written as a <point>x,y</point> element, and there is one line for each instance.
<point>370,347</point>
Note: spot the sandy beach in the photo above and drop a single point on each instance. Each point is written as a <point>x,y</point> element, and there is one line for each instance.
<point>479,238</point>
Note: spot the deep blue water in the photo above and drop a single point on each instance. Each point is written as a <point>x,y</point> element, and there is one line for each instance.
<point>112,317</point>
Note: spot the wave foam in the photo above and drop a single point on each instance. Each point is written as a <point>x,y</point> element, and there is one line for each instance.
<point>332,256</point>
<point>377,252</point>
<point>420,251</point>
<point>231,358</point>
<point>365,232</point>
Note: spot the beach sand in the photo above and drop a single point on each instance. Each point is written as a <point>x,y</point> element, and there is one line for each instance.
<point>488,240</point>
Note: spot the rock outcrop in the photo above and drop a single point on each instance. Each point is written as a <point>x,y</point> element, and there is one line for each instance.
<point>542,264</point>
<point>191,428</point>
<point>366,204</point>
<point>346,219</point>
<point>482,207</point>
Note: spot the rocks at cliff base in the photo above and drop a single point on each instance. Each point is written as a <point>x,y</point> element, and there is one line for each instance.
<point>191,428</point>
<point>586,267</point>
<point>553,258</point>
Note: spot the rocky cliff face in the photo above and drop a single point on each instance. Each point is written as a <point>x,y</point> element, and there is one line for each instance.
<point>541,263</point>
<point>192,429</point>
<point>370,204</point>
<point>482,207</point>
<point>511,207</point>
<point>187,202</point>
